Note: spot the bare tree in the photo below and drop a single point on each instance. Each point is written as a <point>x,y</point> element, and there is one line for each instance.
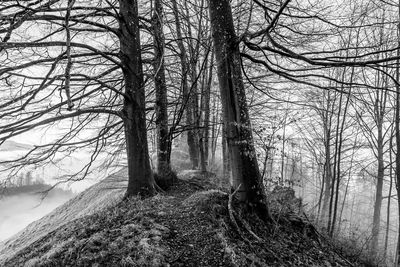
<point>164,171</point>
<point>62,76</point>
<point>246,178</point>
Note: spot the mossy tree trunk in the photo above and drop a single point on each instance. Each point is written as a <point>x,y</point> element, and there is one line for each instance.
<point>245,171</point>
<point>140,176</point>
<point>164,177</point>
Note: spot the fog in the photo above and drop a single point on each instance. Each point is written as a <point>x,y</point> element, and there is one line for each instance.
<point>17,211</point>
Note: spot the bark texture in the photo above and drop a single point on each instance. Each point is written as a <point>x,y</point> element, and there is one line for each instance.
<point>141,180</point>
<point>164,173</point>
<point>378,192</point>
<point>245,171</point>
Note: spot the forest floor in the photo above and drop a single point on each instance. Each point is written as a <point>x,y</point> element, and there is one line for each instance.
<point>190,225</point>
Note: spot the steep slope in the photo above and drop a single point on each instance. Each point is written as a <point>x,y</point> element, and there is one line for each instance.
<point>191,225</point>
<point>104,194</point>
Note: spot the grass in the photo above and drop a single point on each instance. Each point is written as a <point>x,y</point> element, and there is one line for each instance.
<point>187,226</point>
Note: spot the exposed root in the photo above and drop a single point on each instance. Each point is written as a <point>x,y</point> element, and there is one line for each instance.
<point>158,188</point>
<point>248,228</point>
<point>232,216</point>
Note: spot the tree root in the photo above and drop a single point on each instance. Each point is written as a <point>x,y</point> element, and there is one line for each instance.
<point>232,216</point>
<point>235,218</point>
<point>248,228</point>
<point>158,188</point>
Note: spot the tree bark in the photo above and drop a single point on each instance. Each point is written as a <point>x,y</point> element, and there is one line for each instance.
<point>397,131</point>
<point>389,196</point>
<point>328,166</point>
<point>378,193</point>
<point>225,159</point>
<point>205,110</point>
<point>245,171</point>
<point>140,176</point>
<point>164,177</point>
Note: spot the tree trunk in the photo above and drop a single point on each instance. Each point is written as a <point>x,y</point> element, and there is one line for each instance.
<point>282,177</point>
<point>214,130</point>
<point>186,93</point>
<point>205,108</point>
<point>225,159</point>
<point>378,194</point>
<point>339,151</point>
<point>328,168</point>
<point>397,130</point>
<point>245,172</point>
<point>164,177</point>
<point>389,197</point>
<point>140,176</point>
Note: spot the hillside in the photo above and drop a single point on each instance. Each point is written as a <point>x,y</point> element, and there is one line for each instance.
<point>106,193</point>
<point>22,205</point>
<point>187,226</point>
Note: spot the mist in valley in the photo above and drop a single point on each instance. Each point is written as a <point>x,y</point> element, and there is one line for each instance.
<point>17,211</point>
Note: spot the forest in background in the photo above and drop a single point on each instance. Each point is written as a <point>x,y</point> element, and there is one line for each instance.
<point>131,81</point>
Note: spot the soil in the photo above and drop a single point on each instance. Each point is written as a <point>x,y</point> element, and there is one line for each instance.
<point>187,226</point>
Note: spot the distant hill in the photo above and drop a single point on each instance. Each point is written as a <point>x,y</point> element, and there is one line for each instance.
<point>36,188</point>
<point>9,145</point>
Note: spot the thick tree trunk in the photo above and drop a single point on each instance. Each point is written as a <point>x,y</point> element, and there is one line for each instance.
<point>141,181</point>
<point>245,171</point>
<point>164,174</point>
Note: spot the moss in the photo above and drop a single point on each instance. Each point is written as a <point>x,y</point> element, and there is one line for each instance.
<point>175,230</point>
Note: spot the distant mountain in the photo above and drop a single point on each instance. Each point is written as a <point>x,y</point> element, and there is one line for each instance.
<point>14,146</point>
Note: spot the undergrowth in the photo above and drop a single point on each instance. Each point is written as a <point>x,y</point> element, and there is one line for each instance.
<point>186,227</point>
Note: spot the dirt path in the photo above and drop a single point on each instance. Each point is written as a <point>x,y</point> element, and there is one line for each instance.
<point>167,230</point>
<point>187,226</point>
<point>193,238</point>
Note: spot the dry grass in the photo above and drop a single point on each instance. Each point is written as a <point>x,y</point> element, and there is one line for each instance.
<point>184,227</point>
<point>104,194</point>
